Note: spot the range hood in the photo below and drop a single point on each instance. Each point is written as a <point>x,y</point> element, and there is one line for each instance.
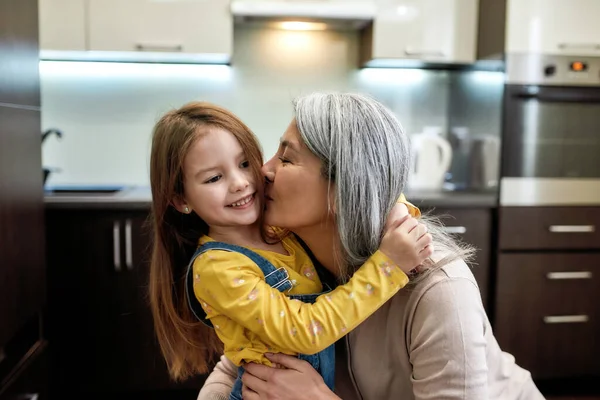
<point>350,13</point>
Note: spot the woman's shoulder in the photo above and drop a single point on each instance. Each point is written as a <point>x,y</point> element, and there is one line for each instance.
<point>456,271</point>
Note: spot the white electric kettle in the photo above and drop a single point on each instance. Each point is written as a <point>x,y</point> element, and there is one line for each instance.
<point>432,155</point>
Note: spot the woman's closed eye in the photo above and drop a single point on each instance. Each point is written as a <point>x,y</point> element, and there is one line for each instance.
<point>284,160</point>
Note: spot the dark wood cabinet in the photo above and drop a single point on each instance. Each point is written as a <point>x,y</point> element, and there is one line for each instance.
<point>28,380</point>
<point>472,226</point>
<point>98,311</point>
<point>22,266</point>
<point>549,228</point>
<point>548,313</point>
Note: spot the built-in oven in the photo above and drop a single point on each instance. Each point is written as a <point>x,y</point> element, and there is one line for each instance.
<point>551,131</point>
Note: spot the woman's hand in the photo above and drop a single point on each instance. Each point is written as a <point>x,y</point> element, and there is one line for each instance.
<point>405,240</point>
<point>294,379</point>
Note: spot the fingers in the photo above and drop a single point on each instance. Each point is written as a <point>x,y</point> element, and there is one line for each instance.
<point>260,371</point>
<point>398,214</point>
<point>408,225</point>
<point>253,382</point>
<point>249,394</point>
<point>289,362</point>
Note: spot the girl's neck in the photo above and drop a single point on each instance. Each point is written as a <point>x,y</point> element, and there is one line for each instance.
<point>323,241</point>
<point>245,236</point>
<point>241,235</point>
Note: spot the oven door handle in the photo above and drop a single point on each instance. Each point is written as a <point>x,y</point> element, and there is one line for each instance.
<point>557,97</point>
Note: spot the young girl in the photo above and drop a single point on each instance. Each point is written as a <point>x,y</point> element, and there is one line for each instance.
<point>207,191</point>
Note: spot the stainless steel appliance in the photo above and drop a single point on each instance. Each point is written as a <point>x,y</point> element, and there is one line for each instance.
<point>551,131</point>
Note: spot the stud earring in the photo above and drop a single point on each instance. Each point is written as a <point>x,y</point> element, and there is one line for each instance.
<point>186,210</point>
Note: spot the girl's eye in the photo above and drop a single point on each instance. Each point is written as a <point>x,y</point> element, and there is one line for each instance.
<point>213,179</point>
<point>284,160</point>
<point>245,164</point>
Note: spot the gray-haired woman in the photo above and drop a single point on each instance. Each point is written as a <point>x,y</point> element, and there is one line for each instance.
<point>340,167</point>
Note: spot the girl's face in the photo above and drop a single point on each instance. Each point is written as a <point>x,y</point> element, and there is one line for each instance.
<point>218,182</point>
<point>296,194</point>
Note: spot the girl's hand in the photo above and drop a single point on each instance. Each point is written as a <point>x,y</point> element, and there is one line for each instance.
<point>405,241</point>
<point>294,380</point>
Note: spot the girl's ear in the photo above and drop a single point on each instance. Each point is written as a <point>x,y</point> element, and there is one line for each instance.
<point>181,205</point>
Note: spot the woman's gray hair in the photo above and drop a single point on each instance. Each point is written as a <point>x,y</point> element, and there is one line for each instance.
<point>365,151</point>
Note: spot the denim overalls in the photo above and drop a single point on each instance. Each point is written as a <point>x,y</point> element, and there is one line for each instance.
<point>323,362</point>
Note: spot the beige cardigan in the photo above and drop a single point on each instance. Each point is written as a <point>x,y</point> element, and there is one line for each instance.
<point>432,341</point>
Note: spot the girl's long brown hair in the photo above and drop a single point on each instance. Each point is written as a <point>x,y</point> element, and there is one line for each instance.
<point>188,346</point>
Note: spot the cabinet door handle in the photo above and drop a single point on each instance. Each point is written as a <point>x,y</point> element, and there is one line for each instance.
<point>590,46</point>
<point>117,246</point>
<point>158,47</point>
<point>128,249</point>
<point>572,228</point>
<point>455,229</point>
<point>566,319</point>
<point>28,396</point>
<point>569,275</point>
<point>421,53</point>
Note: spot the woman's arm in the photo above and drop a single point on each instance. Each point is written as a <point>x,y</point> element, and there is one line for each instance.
<point>447,343</point>
<point>219,383</point>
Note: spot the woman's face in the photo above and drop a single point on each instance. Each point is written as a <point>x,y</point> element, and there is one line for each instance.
<point>296,192</point>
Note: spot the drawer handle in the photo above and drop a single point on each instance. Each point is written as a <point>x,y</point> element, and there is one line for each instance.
<point>569,275</point>
<point>2,354</point>
<point>455,229</point>
<point>591,46</point>
<point>566,319</point>
<point>158,47</point>
<point>572,228</point>
<point>416,53</point>
<point>128,250</point>
<point>117,246</point>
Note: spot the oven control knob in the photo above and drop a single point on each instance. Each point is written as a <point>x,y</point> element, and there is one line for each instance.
<point>549,70</point>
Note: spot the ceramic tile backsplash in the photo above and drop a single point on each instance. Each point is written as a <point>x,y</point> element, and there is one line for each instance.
<point>107,110</point>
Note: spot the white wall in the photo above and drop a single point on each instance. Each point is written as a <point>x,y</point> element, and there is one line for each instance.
<point>107,110</point>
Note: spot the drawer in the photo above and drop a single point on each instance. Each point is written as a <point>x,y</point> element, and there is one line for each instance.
<point>548,312</point>
<point>472,226</point>
<point>538,228</point>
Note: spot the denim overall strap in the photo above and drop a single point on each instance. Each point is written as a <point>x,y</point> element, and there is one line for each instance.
<point>277,278</point>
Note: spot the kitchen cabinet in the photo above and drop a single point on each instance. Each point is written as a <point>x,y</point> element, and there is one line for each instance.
<point>62,25</point>
<point>472,226</point>
<point>547,304</point>
<point>192,27</point>
<point>548,313</point>
<point>562,27</point>
<point>424,30</point>
<point>136,30</point>
<point>22,265</point>
<point>29,379</point>
<point>98,304</point>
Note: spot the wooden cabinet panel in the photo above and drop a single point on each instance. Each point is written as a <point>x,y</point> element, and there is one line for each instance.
<point>22,274</point>
<point>562,27</point>
<point>547,312</point>
<point>98,272</point>
<point>62,24</point>
<point>29,380</point>
<point>551,228</point>
<point>153,26</point>
<point>473,226</point>
<point>424,30</point>
<point>19,53</point>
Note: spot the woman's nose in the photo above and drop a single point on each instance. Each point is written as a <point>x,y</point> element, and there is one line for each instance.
<point>268,171</point>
